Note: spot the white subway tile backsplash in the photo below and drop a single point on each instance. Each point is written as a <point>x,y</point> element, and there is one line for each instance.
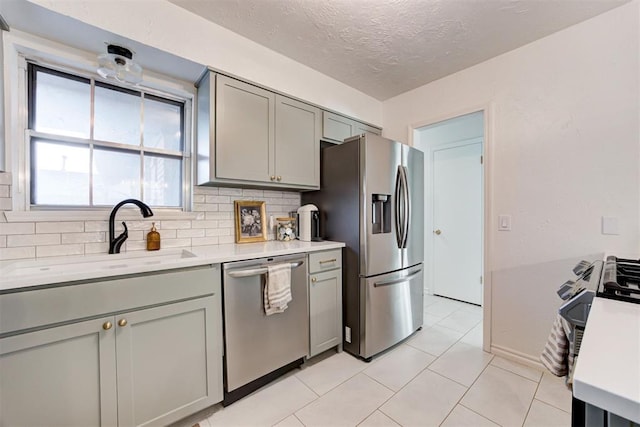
<point>94,237</point>
<point>17,228</point>
<point>218,199</point>
<point>203,241</point>
<point>32,240</point>
<point>205,224</point>
<point>196,232</point>
<point>59,250</point>
<point>175,224</point>
<point>205,207</point>
<point>205,190</point>
<point>212,232</point>
<point>230,191</point>
<point>59,227</point>
<point>176,243</point>
<point>90,226</point>
<point>96,248</point>
<point>5,178</point>
<point>218,215</point>
<point>213,223</point>
<point>18,253</point>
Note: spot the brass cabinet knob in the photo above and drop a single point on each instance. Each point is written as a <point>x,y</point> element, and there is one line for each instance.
<point>438,232</point>
<point>107,325</point>
<point>313,279</point>
<point>122,322</point>
<point>279,178</point>
<point>273,178</point>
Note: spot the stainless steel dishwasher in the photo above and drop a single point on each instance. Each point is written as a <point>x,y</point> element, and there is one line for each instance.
<point>258,348</point>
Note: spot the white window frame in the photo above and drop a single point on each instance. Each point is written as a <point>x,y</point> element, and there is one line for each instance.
<point>20,47</point>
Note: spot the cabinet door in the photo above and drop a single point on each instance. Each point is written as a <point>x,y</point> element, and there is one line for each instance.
<point>336,127</point>
<point>362,128</point>
<point>297,152</point>
<point>245,134</point>
<point>62,376</point>
<point>169,361</point>
<point>325,311</point>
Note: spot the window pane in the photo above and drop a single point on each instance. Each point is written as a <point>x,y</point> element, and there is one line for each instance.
<point>162,180</point>
<point>62,105</point>
<point>60,174</point>
<point>117,116</point>
<point>116,176</point>
<point>162,125</point>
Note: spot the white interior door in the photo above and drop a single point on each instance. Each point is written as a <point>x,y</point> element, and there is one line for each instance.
<point>457,220</point>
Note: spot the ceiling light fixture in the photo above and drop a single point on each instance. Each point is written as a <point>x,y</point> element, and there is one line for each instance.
<point>118,64</point>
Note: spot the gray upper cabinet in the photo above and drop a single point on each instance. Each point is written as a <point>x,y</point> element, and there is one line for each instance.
<point>250,136</point>
<point>297,142</point>
<point>245,131</point>
<point>337,128</point>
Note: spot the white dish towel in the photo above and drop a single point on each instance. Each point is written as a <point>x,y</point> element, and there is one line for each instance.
<point>277,288</point>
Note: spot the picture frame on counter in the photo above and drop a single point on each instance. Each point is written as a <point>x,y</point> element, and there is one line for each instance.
<point>250,220</point>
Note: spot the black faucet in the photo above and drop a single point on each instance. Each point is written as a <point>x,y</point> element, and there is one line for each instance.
<point>116,242</point>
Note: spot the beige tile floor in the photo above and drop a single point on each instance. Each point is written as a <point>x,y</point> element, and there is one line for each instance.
<point>439,377</point>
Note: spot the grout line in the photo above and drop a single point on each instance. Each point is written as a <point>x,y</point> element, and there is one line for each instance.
<point>550,404</point>
<point>531,403</point>
<point>480,415</point>
<point>515,373</point>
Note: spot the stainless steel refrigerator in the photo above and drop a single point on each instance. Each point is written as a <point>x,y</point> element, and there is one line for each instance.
<point>371,198</point>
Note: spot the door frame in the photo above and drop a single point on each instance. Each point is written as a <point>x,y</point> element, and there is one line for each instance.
<point>431,224</point>
<point>487,153</point>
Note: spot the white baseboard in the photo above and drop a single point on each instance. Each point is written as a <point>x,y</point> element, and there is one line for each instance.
<point>516,356</point>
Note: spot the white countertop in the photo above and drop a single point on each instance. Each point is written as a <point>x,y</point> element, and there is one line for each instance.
<point>607,373</point>
<point>20,275</point>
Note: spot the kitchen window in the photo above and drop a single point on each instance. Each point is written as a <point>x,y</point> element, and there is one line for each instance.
<point>93,144</point>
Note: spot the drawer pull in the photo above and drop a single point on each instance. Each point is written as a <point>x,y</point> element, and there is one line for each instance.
<point>122,322</point>
<point>107,325</point>
<point>327,261</point>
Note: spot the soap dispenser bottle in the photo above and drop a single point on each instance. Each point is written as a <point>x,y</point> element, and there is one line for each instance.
<point>153,238</point>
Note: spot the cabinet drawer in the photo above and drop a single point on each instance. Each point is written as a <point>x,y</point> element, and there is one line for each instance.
<point>323,261</point>
<point>65,303</point>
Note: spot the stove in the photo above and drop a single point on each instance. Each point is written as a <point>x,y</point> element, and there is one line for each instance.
<point>620,280</point>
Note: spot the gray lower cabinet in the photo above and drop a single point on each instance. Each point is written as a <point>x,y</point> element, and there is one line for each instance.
<point>250,136</point>
<point>337,128</point>
<point>325,301</point>
<point>62,376</point>
<point>150,366</point>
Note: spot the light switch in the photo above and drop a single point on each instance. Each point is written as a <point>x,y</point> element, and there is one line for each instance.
<point>610,225</point>
<point>504,222</point>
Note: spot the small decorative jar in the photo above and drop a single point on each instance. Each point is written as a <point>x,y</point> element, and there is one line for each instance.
<point>285,229</point>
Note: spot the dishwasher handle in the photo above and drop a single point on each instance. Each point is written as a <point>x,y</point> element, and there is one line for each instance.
<point>247,272</point>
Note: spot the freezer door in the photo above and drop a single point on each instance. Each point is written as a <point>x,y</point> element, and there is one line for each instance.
<point>413,161</point>
<point>393,309</point>
<point>380,159</point>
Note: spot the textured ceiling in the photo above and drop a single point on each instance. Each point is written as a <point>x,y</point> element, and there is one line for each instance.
<point>387,47</point>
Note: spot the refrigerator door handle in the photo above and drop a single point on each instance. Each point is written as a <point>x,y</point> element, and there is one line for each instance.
<point>407,207</point>
<point>396,281</point>
<point>399,223</point>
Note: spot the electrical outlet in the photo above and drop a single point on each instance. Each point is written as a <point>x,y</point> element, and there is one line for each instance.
<point>347,334</point>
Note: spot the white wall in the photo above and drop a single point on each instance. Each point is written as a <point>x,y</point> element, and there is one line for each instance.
<point>167,27</point>
<point>563,151</point>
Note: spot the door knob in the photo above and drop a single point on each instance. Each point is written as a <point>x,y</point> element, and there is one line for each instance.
<point>438,232</point>
<point>107,325</point>
<point>122,322</point>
